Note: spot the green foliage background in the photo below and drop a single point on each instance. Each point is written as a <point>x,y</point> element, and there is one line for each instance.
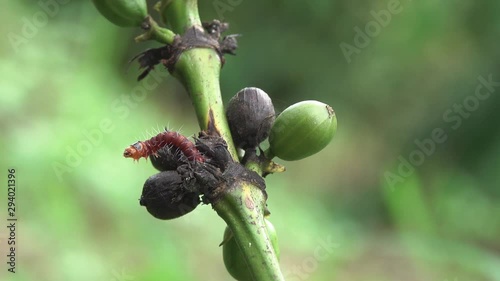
<point>442,222</point>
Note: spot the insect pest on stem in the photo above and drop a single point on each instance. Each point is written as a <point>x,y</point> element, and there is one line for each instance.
<point>168,138</point>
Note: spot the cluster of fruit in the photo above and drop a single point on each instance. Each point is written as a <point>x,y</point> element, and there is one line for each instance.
<point>190,171</point>
<point>301,130</point>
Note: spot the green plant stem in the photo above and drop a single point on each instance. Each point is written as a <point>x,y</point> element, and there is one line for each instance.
<point>243,211</point>
<point>198,70</point>
<point>181,14</point>
<point>242,207</point>
<point>254,166</point>
<point>156,32</point>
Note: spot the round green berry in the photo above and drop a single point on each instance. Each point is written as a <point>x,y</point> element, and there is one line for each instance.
<point>302,130</point>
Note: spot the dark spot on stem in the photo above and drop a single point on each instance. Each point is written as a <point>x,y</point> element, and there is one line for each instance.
<point>211,128</point>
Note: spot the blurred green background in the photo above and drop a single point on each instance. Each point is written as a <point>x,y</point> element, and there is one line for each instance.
<point>69,107</point>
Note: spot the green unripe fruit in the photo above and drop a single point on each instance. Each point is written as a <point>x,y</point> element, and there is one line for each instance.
<point>233,258</point>
<point>302,130</point>
<point>123,12</point>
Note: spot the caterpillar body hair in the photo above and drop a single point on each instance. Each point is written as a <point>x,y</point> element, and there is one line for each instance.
<point>168,138</point>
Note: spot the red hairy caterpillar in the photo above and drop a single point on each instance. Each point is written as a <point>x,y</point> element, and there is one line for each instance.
<point>167,138</point>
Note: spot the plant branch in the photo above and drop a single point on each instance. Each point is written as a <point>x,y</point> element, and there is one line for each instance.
<point>243,210</point>
<point>198,70</point>
<point>242,205</point>
<point>155,32</point>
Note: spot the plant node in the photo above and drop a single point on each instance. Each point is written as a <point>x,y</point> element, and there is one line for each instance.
<point>195,37</point>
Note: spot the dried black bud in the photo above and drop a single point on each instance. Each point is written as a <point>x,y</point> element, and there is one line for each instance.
<point>165,196</point>
<point>167,159</point>
<point>151,57</point>
<point>215,28</point>
<point>229,44</point>
<point>214,148</point>
<point>250,114</point>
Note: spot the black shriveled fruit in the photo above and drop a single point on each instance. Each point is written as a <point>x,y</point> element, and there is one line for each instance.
<point>214,149</point>
<point>250,114</point>
<point>167,159</point>
<point>165,196</point>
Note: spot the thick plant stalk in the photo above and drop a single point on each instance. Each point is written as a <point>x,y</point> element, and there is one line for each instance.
<point>243,209</point>
<point>242,206</point>
<point>198,70</point>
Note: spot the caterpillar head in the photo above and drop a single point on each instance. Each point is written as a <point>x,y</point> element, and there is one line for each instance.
<point>135,151</point>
